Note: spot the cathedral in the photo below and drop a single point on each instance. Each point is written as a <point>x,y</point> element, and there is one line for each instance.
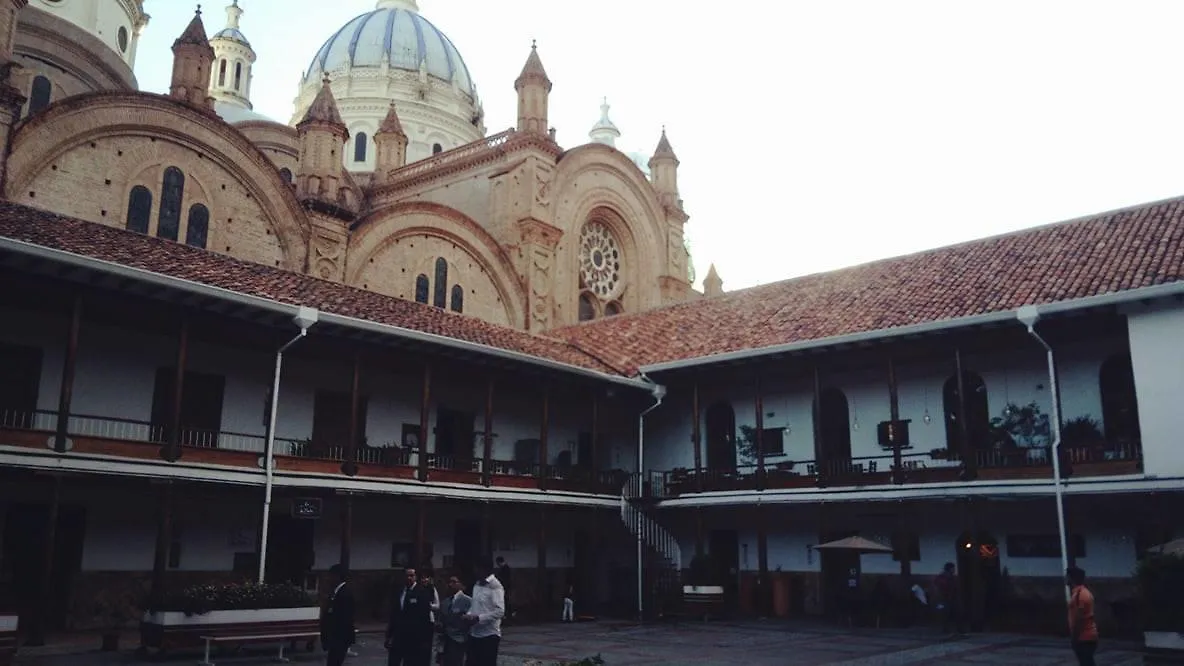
<point>385,178</point>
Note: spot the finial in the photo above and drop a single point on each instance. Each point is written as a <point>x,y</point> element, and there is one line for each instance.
<point>325,79</point>
<point>199,9</point>
<point>534,45</point>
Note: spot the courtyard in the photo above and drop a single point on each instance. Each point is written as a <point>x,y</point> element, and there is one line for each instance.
<point>723,643</point>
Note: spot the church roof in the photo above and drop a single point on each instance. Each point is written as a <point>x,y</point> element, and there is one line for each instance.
<point>390,124</point>
<point>195,32</point>
<point>1132,248</point>
<point>323,107</point>
<point>178,260</point>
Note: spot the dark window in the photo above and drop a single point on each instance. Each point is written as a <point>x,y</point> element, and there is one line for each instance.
<point>330,423</point>
<point>906,545</point>
<point>286,174</point>
<point>834,426</point>
<point>238,75</point>
<point>587,308</point>
<point>139,209</point>
<point>773,441</point>
<point>39,94</point>
<point>458,298</point>
<point>437,149</point>
<point>121,37</point>
<point>169,222</point>
<point>440,289</point>
<point>360,147</point>
<point>613,308</point>
<point>222,73</point>
<point>1120,409</point>
<point>21,367</point>
<point>978,414</point>
<point>1043,545</point>
<point>198,227</point>
<point>422,288</point>
<point>201,407</point>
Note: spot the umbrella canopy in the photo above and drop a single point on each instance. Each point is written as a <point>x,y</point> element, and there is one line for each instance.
<point>856,543</point>
<point>1173,547</point>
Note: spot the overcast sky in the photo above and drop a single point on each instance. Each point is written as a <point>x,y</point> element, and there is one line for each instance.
<point>812,134</point>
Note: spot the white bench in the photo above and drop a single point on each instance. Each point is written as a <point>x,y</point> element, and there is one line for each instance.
<point>255,638</point>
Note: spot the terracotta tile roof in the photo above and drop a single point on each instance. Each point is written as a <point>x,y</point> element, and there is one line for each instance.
<point>1111,252</point>
<point>177,260</point>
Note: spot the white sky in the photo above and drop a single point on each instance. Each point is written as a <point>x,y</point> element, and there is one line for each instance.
<point>812,134</point>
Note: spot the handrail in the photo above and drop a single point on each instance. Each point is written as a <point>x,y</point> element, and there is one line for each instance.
<point>450,156</point>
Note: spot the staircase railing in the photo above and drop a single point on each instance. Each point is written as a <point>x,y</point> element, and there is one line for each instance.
<point>641,525</point>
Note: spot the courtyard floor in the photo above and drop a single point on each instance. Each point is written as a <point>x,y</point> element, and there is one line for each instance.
<point>774,643</point>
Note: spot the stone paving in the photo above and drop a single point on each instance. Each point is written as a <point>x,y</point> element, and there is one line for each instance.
<point>711,644</point>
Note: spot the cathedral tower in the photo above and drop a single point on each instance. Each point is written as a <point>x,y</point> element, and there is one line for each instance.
<point>534,89</point>
<point>391,142</point>
<point>604,131</point>
<point>322,137</point>
<point>230,81</point>
<point>192,59</point>
<point>664,172</point>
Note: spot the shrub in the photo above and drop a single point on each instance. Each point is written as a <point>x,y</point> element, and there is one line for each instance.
<point>201,599</point>
<point>1161,586</point>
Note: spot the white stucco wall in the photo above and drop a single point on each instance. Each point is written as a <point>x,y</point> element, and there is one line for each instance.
<point>1156,335</point>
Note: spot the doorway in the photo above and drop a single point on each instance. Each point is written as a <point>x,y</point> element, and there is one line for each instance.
<point>834,428</point>
<point>724,548</point>
<point>454,434</point>
<point>21,367</point>
<point>466,548</point>
<point>721,437</point>
<point>330,424</point>
<point>201,407</point>
<point>980,577</point>
<point>290,550</point>
<point>24,555</point>
<point>841,571</point>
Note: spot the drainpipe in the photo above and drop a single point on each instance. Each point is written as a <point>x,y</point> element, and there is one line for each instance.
<point>658,392</point>
<point>1028,316</point>
<point>305,318</point>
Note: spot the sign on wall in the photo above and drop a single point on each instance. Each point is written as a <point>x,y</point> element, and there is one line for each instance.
<point>307,507</point>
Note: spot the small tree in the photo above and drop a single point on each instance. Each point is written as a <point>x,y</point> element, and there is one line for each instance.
<point>1161,586</point>
<point>1026,426</point>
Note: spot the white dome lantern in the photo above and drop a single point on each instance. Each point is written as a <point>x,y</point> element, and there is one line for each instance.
<point>394,53</point>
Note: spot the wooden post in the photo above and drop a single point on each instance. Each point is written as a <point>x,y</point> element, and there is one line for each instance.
<point>172,448</point>
<point>425,411</point>
<point>487,436</point>
<point>700,540</point>
<point>421,510</point>
<point>347,529</point>
<point>544,428</point>
<point>542,596</point>
<point>62,431</point>
<point>764,585</point>
<point>36,635</point>
<point>486,535</point>
<point>894,416</point>
<point>349,458</point>
<point>816,417</point>
<point>963,430</point>
<point>595,462</point>
<point>696,435</point>
<point>164,540</point>
<point>759,435</point>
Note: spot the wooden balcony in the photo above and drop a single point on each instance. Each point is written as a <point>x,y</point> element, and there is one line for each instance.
<point>1099,460</point>
<point>141,440</point>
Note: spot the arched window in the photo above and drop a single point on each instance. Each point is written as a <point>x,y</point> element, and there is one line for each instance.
<point>238,76</point>
<point>360,147</point>
<point>437,148</point>
<point>613,308</point>
<point>421,289</point>
<point>171,193</point>
<point>222,73</point>
<point>39,94</point>
<point>458,298</point>
<point>286,174</point>
<point>834,425</point>
<point>1120,409</point>
<point>978,411</point>
<point>198,226</point>
<point>440,295</point>
<point>139,209</point>
<point>587,308</point>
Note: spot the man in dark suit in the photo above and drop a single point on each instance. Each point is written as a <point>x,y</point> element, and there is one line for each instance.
<point>410,630</point>
<point>337,620</point>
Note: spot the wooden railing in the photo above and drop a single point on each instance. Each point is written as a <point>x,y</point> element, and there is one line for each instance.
<point>458,154</point>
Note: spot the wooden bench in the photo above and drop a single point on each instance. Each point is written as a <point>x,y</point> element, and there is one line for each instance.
<point>283,638</point>
<point>702,599</point>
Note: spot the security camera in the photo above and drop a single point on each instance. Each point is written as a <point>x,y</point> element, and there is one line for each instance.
<point>305,317</point>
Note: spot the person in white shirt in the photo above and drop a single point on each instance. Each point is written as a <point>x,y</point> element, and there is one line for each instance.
<point>485,615</point>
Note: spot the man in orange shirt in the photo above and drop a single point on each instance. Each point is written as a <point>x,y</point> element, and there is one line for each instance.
<point>1083,628</point>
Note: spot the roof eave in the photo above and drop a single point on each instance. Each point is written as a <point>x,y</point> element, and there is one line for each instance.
<point>1116,298</point>
<point>269,305</point>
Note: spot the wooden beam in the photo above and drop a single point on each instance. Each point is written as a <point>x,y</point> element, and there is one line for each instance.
<point>759,434</point>
<point>544,431</point>
<point>487,436</point>
<point>349,463</point>
<point>347,530</point>
<point>425,410</point>
<point>696,434</point>
<point>164,540</point>
<point>894,416</point>
<point>66,394</point>
<point>172,448</point>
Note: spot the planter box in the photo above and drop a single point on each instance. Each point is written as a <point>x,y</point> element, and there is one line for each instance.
<point>1163,647</point>
<point>174,630</point>
<point>8,624</point>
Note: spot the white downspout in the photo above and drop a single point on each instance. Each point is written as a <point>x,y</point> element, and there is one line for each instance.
<point>304,318</point>
<point>659,392</point>
<point>1028,316</point>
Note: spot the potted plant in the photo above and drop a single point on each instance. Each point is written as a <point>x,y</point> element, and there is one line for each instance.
<point>1081,431</point>
<point>1161,585</point>
<point>112,612</point>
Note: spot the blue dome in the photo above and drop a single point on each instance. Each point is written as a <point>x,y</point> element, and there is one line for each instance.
<point>402,36</point>
<point>232,34</point>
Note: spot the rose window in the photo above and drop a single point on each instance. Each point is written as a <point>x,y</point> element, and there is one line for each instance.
<point>600,260</point>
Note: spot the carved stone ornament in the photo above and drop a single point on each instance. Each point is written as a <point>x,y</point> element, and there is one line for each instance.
<point>540,285</point>
<point>326,256</point>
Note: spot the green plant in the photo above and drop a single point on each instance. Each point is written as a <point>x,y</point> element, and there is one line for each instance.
<point>1081,431</point>
<point>586,661</point>
<point>201,599</point>
<point>1161,586</point>
<point>113,609</point>
<point>1026,426</point>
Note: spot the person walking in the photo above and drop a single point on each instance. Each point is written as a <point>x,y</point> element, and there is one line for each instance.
<point>338,632</point>
<point>456,630</point>
<point>1083,626</point>
<point>569,604</point>
<point>485,616</point>
<point>947,602</point>
<point>409,630</point>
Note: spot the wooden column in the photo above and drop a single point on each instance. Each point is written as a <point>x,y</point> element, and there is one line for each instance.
<point>975,606</point>
<point>696,435</point>
<point>758,440</point>
<point>595,433</point>
<point>487,436</point>
<point>591,593</point>
<point>347,529</point>
<point>62,431</point>
<point>544,428</point>
<point>486,536</point>
<point>816,417</point>
<point>36,632</point>
<point>349,458</point>
<point>172,448</point>
<point>968,461</point>
<point>699,536</point>
<point>164,540</point>
<point>421,510</point>
<point>893,417</point>
<point>764,585</point>
<point>425,411</point>
<point>541,595</point>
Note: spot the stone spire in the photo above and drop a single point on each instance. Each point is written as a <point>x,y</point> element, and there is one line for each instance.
<point>391,143</point>
<point>534,90</point>
<point>664,150</point>
<point>712,284</point>
<point>322,136</point>
<point>664,171</point>
<point>324,108</point>
<point>234,59</point>
<point>604,131</point>
<point>193,58</point>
